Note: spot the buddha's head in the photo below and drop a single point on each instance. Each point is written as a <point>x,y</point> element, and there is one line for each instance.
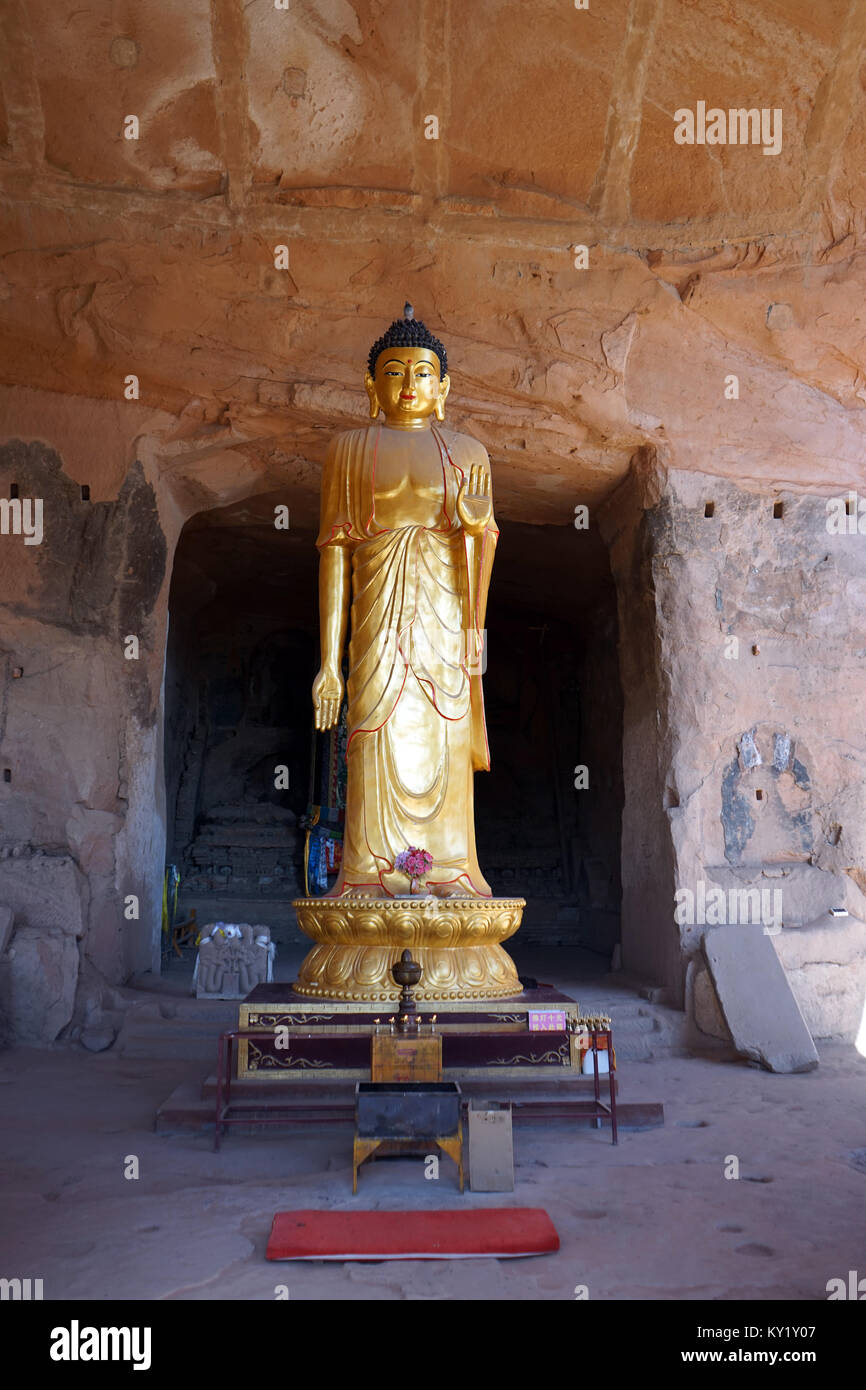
<point>407,377</point>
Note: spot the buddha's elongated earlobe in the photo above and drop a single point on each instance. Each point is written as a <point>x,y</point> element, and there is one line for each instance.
<point>370,386</point>
<point>445,387</point>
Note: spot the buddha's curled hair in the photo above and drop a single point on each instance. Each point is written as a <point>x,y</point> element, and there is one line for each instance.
<point>408,332</point>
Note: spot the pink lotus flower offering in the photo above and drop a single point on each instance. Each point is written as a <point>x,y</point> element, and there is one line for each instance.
<point>414,862</point>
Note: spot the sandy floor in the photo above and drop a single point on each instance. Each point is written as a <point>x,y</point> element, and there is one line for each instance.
<point>654,1218</point>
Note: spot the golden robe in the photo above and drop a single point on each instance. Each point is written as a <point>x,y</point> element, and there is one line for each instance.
<point>416,729</point>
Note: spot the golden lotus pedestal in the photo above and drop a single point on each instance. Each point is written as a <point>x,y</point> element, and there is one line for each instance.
<point>456,941</point>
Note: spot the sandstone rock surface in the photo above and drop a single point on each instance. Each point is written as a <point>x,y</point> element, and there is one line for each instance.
<point>41,984</point>
<point>7,923</point>
<point>669,334</point>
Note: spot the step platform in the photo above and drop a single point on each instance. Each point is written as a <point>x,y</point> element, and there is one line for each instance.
<point>191,1108</point>
<point>290,1036</point>
<point>326,1048</point>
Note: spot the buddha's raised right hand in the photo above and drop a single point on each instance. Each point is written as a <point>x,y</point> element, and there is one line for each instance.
<point>474,503</point>
<point>327,697</point>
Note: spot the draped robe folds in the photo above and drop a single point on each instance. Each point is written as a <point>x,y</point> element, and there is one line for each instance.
<point>415,707</point>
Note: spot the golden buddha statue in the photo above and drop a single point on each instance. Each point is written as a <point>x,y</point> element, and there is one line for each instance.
<point>406,545</point>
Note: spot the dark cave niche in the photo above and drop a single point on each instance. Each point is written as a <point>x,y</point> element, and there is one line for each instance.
<point>553,704</point>
<point>241,657</point>
<point>242,654</point>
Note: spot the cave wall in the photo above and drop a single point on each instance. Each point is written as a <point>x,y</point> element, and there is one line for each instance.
<point>648,940</point>
<point>82,821</point>
<point>743,643</point>
<point>600,287</point>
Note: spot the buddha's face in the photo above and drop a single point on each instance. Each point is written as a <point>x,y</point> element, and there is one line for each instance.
<point>407,386</point>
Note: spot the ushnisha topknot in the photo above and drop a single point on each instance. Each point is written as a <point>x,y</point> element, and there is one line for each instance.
<point>408,332</point>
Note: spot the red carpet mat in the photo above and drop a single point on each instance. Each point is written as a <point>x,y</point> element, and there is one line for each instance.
<point>500,1232</point>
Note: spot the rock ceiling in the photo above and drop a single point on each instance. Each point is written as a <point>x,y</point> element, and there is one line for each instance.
<point>306,127</point>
